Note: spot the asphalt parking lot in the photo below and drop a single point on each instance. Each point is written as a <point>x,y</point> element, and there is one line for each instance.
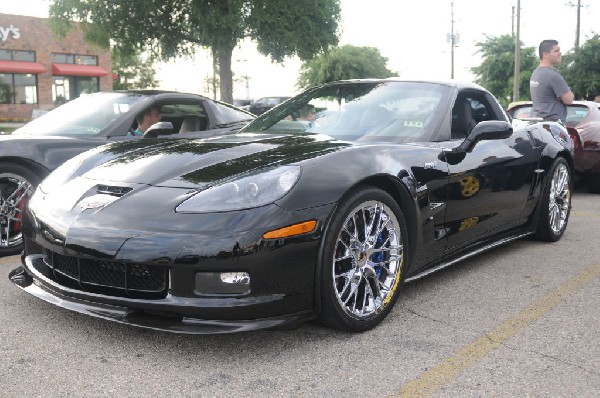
<point>520,320</point>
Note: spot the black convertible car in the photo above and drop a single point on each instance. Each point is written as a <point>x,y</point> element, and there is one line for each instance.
<point>33,151</point>
<point>301,215</point>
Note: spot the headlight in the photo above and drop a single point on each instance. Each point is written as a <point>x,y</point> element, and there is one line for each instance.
<point>245,193</point>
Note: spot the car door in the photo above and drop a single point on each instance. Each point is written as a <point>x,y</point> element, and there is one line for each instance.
<point>488,188</point>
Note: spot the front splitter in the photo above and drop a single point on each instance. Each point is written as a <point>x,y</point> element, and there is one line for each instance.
<point>139,318</point>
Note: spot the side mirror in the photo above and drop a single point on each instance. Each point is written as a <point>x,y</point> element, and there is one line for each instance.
<point>486,130</point>
<point>160,128</point>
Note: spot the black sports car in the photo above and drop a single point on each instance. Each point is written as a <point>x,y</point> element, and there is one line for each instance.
<point>31,152</point>
<point>294,218</point>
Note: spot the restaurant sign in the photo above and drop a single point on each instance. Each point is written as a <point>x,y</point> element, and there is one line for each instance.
<point>9,32</point>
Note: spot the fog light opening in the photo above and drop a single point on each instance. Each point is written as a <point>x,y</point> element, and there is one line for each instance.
<point>222,283</point>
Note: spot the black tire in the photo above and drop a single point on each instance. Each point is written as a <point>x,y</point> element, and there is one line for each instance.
<point>17,184</point>
<point>359,282</point>
<point>555,202</point>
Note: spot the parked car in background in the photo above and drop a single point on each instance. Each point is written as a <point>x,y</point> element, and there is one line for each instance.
<point>583,121</point>
<point>243,103</point>
<point>262,105</point>
<point>288,220</point>
<point>31,152</point>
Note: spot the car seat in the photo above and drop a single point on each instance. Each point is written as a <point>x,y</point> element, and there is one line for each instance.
<point>462,119</point>
<point>193,123</point>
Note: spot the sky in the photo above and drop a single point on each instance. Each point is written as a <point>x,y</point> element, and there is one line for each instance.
<point>411,34</point>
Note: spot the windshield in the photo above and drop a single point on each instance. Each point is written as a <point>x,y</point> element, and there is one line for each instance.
<point>361,111</point>
<point>86,115</point>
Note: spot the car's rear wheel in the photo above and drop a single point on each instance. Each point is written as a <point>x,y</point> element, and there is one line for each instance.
<point>16,186</point>
<point>362,260</point>
<point>555,202</point>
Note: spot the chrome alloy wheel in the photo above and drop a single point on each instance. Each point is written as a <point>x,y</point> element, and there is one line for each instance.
<point>367,260</point>
<point>560,198</point>
<point>14,193</point>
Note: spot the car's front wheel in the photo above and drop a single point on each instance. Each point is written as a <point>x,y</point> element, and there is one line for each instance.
<point>17,184</point>
<point>555,202</point>
<point>362,260</point>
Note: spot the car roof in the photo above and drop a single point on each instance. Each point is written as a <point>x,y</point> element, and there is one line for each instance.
<point>446,82</point>
<point>161,93</point>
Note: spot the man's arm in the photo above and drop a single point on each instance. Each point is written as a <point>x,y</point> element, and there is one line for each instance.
<point>567,98</point>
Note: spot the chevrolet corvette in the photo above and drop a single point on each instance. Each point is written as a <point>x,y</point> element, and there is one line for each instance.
<point>303,215</point>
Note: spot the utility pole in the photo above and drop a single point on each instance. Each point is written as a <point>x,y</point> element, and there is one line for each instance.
<point>513,21</point>
<point>517,73</point>
<point>578,23</point>
<point>452,39</point>
<point>578,26</point>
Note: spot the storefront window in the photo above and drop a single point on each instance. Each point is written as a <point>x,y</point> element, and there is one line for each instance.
<point>5,88</point>
<point>77,59</point>
<point>25,89</point>
<point>86,60</point>
<point>17,55</point>
<point>88,85</point>
<point>18,88</point>
<point>66,88</point>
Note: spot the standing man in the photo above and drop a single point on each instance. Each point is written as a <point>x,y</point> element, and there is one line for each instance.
<point>550,93</point>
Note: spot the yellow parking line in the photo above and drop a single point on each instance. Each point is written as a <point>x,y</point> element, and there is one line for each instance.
<point>443,373</point>
<point>9,259</point>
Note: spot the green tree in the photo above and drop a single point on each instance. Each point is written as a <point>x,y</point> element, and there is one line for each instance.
<point>168,29</point>
<point>496,71</point>
<point>581,69</point>
<point>346,62</point>
<point>132,72</point>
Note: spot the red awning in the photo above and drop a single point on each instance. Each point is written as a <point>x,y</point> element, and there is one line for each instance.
<point>77,70</point>
<point>21,67</point>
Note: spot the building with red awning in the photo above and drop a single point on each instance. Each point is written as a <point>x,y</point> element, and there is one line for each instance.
<point>39,71</point>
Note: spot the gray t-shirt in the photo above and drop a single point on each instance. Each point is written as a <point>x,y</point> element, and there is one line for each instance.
<point>547,86</point>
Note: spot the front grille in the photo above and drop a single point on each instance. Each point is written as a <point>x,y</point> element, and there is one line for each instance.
<point>114,278</point>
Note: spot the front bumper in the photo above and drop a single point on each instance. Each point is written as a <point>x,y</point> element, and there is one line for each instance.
<point>148,274</point>
<point>156,315</point>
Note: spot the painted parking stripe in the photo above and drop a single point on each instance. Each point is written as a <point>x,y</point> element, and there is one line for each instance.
<point>443,373</point>
<point>9,259</point>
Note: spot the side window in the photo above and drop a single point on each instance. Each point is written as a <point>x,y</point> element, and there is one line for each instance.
<point>480,110</point>
<point>469,109</point>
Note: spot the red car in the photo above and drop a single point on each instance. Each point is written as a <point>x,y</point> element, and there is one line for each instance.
<point>583,123</point>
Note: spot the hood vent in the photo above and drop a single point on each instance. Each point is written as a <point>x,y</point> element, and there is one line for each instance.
<point>113,190</point>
